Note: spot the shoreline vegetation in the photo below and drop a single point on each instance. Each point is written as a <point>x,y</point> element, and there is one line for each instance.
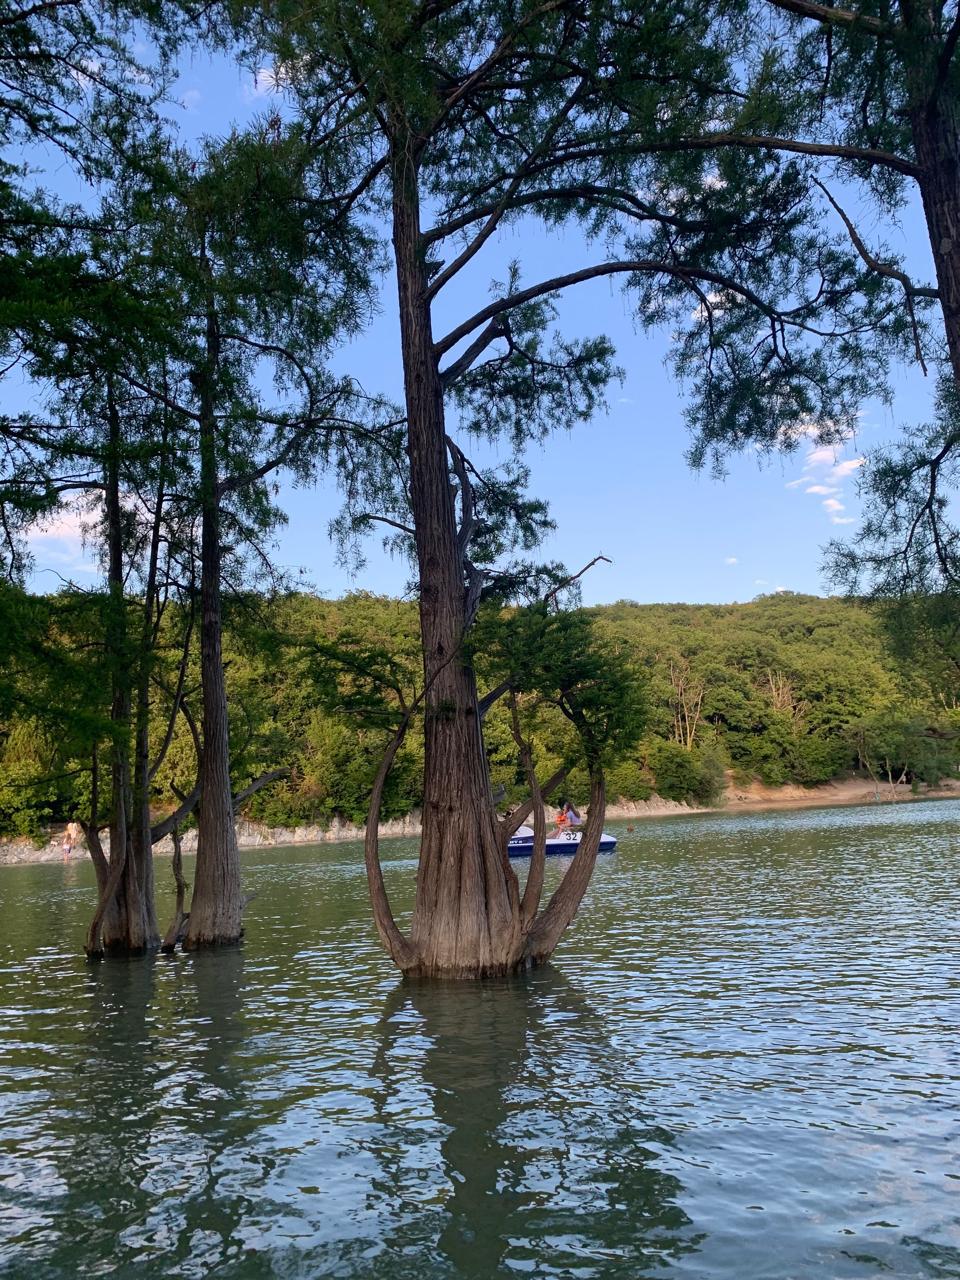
<point>786,702</point>
<point>752,797</point>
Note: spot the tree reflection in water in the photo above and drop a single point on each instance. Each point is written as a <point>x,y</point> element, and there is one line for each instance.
<point>157,1113</point>
<point>103,1151</point>
<point>547,1165</point>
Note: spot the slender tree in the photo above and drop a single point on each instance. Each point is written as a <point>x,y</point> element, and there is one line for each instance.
<point>264,279</point>
<point>220,286</point>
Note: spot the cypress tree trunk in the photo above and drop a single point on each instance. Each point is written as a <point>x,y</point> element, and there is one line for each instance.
<point>141,842</point>
<point>466,918</point>
<point>121,923</point>
<point>936,138</point>
<point>216,908</point>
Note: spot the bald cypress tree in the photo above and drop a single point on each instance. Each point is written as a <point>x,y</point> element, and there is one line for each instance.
<point>457,120</point>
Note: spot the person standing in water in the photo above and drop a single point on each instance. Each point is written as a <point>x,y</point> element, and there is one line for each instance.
<point>71,838</point>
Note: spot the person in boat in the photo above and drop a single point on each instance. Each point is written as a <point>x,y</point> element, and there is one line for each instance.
<point>567,818</point>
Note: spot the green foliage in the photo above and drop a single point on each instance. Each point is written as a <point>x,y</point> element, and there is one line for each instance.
<point>562,661</point>
<point>629,780</point>
<point>907,745</point>
<point>692,775</point>
<point>777,685</point>
<point>790,689</point>
<point>27,793</point>
<point>321,686</point>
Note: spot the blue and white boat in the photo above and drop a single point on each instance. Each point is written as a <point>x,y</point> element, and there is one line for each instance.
<point>565,844</point>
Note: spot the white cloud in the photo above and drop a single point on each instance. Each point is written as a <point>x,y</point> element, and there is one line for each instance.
<point>793,434</point>
<point>266,80</point>
<point>730,560</point>
<point>847,467</point>
<point>760,582</point>
<point>191,99</point>
<point>780,590</point>
<point>66,525</point>
<point>823,474</point>
<point>57,542</point>
<point>714,302</point>
<point>86,71</point>
<point>823,456</point>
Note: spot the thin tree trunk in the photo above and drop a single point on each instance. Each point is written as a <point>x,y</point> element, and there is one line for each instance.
<point>217,906</point>
<point>91,828</point>
<point>548,929</point>
<point>142,844</point>
<point>173,934</point>
<point>395,944</point>
<point>119,924</point>
<point>530,902</point>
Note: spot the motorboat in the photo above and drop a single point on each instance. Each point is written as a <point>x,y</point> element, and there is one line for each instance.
<point>565,844</point>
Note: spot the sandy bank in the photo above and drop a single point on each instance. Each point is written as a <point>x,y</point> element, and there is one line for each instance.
<point>753,797</point>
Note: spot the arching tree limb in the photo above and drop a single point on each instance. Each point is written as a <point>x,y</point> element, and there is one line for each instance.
<point>530,901</point>
<point>174,933</point>
<point>547,930</point>
<point>179,815</point>
<point>177,695</point>
<point>838,17</point>
<point>510,825</point>
<point>190,801</point>
<point>264,780</point>
<point>568,582</point>
<point>91,828</point>
<point>93,946</point>
<point>396,945</point>
<point>490,699</point>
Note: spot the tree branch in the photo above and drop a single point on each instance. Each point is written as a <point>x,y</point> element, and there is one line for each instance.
<point>264,780</point>
<point>179,815</point>
<point>533,889</point>
<point>946,57</point>
<point>494,696</point>
<point>511,824</point>
<point>547,930</point>
<point>497,328</point>
<point>650,266</point>
<point>368,516</point>
<point>831,17</point>
<point>21,15</point>
<point>567,582</point>
<point>881,268</point>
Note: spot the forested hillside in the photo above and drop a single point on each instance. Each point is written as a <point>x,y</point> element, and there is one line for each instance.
<point>786,689</point>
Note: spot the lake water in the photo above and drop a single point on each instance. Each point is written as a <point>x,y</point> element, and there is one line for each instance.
<point>743,1064</point>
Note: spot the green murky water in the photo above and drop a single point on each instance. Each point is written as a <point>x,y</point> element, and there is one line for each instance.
<point>744,1063</point>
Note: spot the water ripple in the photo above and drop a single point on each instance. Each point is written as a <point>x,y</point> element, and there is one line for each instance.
<point>742,1065</point>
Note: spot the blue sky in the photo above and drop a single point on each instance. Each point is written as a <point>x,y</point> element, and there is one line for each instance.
<point>618,486</point>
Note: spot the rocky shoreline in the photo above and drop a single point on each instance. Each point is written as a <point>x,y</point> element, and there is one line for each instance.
<point>751,798</point>
<point>744,799</point>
